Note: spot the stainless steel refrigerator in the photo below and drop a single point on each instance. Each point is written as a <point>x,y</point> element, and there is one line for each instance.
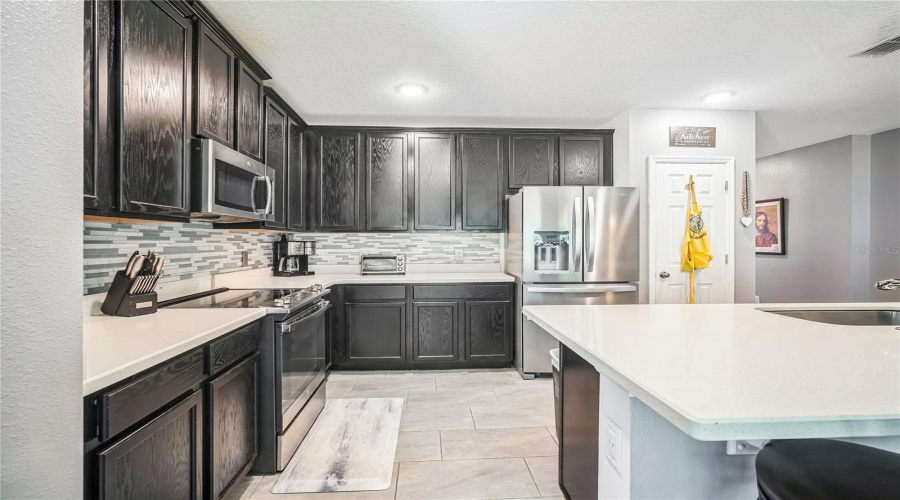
<point>570,245</point>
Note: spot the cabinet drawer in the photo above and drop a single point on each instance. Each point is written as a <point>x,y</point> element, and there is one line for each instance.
<point>437,292</point>
<point>122,407</point>
<point>357,293</point>
<point>233,346</point>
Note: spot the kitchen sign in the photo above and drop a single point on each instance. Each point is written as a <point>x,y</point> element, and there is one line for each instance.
<point>692,137</point>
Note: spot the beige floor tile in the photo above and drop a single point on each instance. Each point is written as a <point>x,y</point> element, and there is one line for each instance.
<point>339,386</point>
<point>505,417</point>
<point>243,488</point>
<point>552,431</point>
<point>476,380</point>
<point>545,471</point>
<point>369,394</point>
<point>465,480</point>
<point>398,383</point>
<point>354,375</point>
<point>264,492</point>
<point>535,381</point>
<point>497,443</point>
<point>418,446</point>
<point>436,419</point>
<point>455,398</point>
<point>520,395</point>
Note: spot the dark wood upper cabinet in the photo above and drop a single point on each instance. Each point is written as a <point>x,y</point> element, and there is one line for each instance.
<point>99,108</point>
<point>296,178</point>
<point>585,160</point>
<point>249,113</point>
<point>338,176</point>
<point>155,57</point>
<point>214,69</point>
<point>386,182</point>
<point>276,156</point>
<point>483,182</point>
<point>160,460</point>
<point>435,181</point>
<point>532,160</point>
<point>233,427</point>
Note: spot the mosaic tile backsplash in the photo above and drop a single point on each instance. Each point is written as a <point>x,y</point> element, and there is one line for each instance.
<point>193,250</point>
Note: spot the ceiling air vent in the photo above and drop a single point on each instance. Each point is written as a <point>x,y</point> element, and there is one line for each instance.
<point>885,47</point>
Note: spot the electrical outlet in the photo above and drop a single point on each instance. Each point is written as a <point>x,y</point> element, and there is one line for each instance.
<point>459,255</point>
<point>613,444</point>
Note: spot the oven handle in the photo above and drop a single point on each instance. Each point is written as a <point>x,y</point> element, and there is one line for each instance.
<point>313,312</point>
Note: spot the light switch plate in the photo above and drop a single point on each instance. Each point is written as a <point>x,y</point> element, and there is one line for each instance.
<point>613,444</point>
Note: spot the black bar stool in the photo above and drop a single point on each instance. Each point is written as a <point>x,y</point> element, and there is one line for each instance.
<point>825,469</point>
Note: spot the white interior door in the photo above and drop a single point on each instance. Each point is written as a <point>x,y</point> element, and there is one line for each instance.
<point>668,204</point>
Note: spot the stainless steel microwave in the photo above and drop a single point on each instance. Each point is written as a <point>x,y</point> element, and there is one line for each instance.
<point>227,186</point>
<point>382,264</point>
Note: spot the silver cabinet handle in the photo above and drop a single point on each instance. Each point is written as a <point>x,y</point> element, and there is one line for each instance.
<point>576,236</point>
<point>589,234</point>
<point>664,275</point>
<point>582,289</point>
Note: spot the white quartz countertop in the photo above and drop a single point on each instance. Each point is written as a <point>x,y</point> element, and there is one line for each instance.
<point>732,371</point>
<point>266,280</point>
<point>116,348</point>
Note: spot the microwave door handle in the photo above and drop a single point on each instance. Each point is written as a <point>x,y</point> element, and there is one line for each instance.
<point>589,234</point>
<point>269,201</point>
<point>253,194</point>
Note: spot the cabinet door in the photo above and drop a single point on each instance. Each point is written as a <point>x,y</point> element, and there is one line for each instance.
<point>532,160</point>
<point>483,166</point>
<point>376,331</point>
<point>338,181</point>
<point>296,178</point>
<point>276,156</point>
<point>580,439</point>
<point>99,120</point>
<point>155,56</point>
<point>386,169</point>
<point>488,331</point>
<point>232,434</point>
<point>161,460</point>
<point>435,335</point>
<point>435,177</point>
<point>214,87</point>
<point>249,113</point>
<point>585,161</point>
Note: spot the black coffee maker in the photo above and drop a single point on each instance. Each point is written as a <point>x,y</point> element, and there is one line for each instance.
<point>291,258</point>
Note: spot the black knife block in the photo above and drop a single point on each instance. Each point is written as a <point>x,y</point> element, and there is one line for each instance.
<point>120,303</point>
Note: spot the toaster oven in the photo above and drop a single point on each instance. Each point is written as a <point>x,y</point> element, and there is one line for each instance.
<point>382,264</point>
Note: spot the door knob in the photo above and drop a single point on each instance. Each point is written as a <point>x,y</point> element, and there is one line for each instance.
<point>664,275</point>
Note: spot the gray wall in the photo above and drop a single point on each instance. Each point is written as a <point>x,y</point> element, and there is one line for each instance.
<point>884,233</point>
<point>41,155</point>
<point>816,181</point>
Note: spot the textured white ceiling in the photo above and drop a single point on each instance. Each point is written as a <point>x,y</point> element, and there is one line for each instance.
<point>578,64</point>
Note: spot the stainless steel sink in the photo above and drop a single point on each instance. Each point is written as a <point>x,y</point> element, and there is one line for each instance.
<point>850,317</point>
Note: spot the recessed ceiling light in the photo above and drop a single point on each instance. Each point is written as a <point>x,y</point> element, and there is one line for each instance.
<point>718,96</point>
<point>411,89</point>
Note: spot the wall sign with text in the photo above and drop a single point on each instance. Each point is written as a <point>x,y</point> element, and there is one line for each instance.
<point>692,137</point>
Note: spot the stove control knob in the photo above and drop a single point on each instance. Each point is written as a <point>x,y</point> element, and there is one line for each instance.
<point>279,302</point>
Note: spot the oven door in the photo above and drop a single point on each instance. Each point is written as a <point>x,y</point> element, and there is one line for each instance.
<point>300,359</point>
<point>230,185</point>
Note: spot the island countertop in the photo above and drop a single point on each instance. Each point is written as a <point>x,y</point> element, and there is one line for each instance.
<point>733,371</point>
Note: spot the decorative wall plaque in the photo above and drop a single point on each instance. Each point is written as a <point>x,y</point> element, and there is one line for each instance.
<point>692,137</point>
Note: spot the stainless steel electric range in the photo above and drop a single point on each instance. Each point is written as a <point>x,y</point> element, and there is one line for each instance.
<point>294,362</point>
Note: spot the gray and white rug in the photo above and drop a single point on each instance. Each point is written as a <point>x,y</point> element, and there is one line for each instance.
<point>351,447</point>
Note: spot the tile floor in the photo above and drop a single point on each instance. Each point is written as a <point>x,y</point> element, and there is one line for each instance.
<point>464,435</point>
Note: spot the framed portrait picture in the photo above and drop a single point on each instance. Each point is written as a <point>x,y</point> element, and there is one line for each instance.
<point>770,228</point>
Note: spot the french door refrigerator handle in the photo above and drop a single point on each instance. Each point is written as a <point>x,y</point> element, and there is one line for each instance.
<point>576,241</point>
<point>589,234</point>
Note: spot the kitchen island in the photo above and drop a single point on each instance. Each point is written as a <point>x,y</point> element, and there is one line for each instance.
<point>679,385</point>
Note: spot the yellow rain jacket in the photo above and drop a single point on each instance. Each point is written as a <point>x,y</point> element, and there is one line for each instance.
<point>695,254</point>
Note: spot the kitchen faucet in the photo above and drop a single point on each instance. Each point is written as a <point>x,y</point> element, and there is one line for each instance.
<point>888,284</point>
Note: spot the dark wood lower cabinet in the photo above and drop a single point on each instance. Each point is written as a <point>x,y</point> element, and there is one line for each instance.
<point>232,433</point>
<point>376,331</point>
<point>487,325</point>
<point>160,460</point>
<point>579,445</point>
<point>435,331</point>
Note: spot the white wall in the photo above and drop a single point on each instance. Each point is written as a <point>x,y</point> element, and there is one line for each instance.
<point>884,234</point>
<point>648,135</point>
<point>41,155</point>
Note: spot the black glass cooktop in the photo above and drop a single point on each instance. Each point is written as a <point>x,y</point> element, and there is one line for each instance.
<point>236,299</point>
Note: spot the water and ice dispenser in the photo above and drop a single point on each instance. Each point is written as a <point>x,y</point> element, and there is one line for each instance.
<point>551,251</point>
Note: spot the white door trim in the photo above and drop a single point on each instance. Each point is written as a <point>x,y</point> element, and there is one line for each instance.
<point>653,165</point>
